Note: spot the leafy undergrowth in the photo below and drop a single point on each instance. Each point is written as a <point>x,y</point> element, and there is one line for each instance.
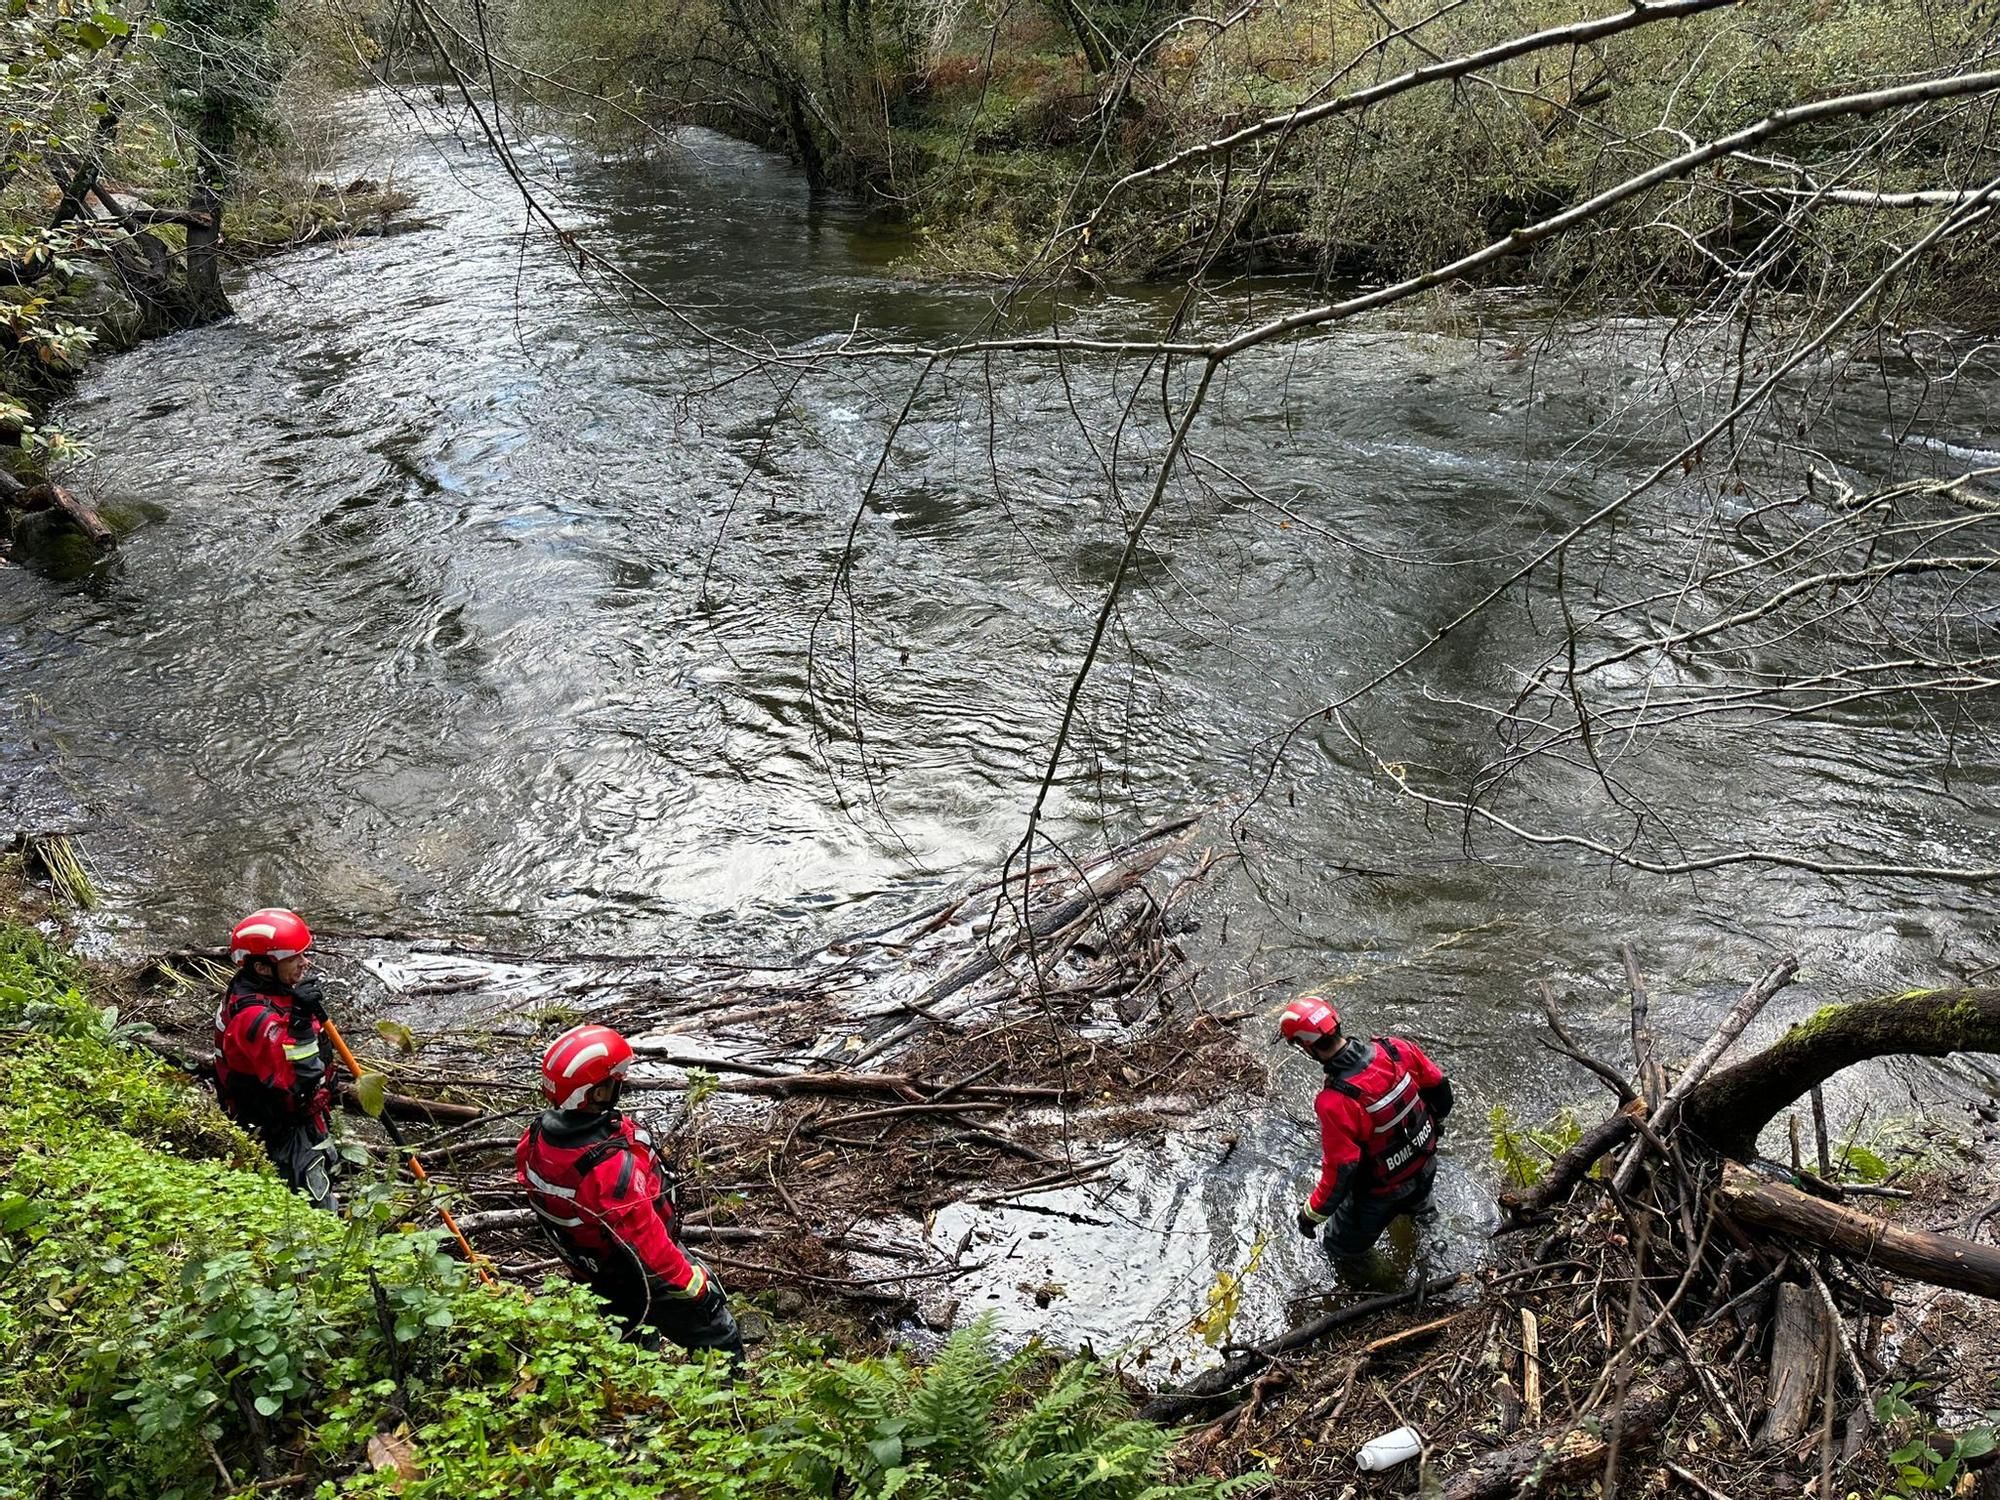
<point>177,1324</point>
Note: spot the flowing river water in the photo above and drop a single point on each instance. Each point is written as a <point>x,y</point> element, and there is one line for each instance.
<point>470,598</point>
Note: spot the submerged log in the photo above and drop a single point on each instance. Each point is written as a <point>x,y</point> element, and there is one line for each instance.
<point>56,497</point>
<point>1939,1259</point>
<point>1730,1109</point>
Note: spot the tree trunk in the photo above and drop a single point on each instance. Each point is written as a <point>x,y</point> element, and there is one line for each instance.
<point>1095,54</point>
<point>207,302</point>
<point>794,99</point>
<point>1939,1259</point>
<point>1730,1109</point>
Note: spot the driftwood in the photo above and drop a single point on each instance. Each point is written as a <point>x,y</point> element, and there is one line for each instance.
<point>409,1107</point>
<point>785,1084</point>
<point>1940,1259</point>
<point>1217,1386</point>
<point>1745,1010</point>
<point>1570,1167</point>
<point>1549,1459</point>
<point>1798,1349</point>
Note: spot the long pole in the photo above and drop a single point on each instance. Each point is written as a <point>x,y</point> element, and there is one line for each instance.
<point>416,1167</point>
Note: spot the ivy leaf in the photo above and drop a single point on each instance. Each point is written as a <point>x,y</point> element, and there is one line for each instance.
<point>268,1406</point>
<point>369,1091</point>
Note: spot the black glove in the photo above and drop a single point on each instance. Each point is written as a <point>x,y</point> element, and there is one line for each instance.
<point>309,996</point>
<point>1308,1225</point>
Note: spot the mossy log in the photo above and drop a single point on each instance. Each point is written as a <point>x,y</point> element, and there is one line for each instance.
<point>1730,1109</point>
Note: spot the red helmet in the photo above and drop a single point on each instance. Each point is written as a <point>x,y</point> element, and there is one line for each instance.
<point>1306,1020</point>
<point>579,1060</point>
<point>270,933</point>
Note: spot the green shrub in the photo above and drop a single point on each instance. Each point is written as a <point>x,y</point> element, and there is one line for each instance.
<point>1523,1153</point>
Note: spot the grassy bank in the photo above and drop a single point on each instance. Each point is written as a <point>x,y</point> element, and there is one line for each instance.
<point>177,1324</point>
<point>991,126</point>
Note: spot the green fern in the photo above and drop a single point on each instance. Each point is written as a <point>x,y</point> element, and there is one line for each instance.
<point>980,1425</point>
<point>951,1410</point>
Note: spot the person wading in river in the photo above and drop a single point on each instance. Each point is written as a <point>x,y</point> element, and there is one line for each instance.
<point>271,1052</point>
<point>1379,1114</point>
<point>606,1203</point>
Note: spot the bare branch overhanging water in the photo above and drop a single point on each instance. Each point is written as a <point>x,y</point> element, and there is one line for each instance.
<point>1966,205</point>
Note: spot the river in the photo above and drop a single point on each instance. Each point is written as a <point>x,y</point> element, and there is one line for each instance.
<point>469,597</point>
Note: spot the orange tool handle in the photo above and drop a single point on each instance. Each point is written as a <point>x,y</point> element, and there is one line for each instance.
<point>477,1260</point>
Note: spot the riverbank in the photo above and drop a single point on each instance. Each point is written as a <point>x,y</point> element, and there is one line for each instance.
<point>976,1110</point>
<point>174,1316</point>
<point>100,312</point>
<point>177,1322</point>
<point>994,134</point>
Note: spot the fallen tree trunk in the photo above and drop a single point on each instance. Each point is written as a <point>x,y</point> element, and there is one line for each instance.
<point>1939,1259</point>
<point>1550,1459</point>
<point>1730,1109</point>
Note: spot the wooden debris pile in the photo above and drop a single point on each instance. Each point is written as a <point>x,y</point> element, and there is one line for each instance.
<point>1012,1039</point>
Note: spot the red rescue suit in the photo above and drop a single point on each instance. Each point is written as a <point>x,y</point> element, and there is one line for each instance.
<point>1378,1119</point>
<point>272,1062</point>
<point>601,1194</point>
<point>271,1057</point>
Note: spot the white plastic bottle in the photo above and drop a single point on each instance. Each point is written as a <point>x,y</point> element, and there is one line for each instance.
<point>1390,1449</point>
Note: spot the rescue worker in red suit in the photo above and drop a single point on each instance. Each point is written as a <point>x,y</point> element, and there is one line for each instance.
<point>1379,1114</point>
<point>272,1056</point>
<point>603,1197</point>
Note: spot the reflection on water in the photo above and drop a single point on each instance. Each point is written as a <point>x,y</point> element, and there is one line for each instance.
<point>474,599</point>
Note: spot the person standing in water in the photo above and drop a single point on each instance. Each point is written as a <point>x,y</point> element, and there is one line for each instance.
<point>1379,1112</point>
